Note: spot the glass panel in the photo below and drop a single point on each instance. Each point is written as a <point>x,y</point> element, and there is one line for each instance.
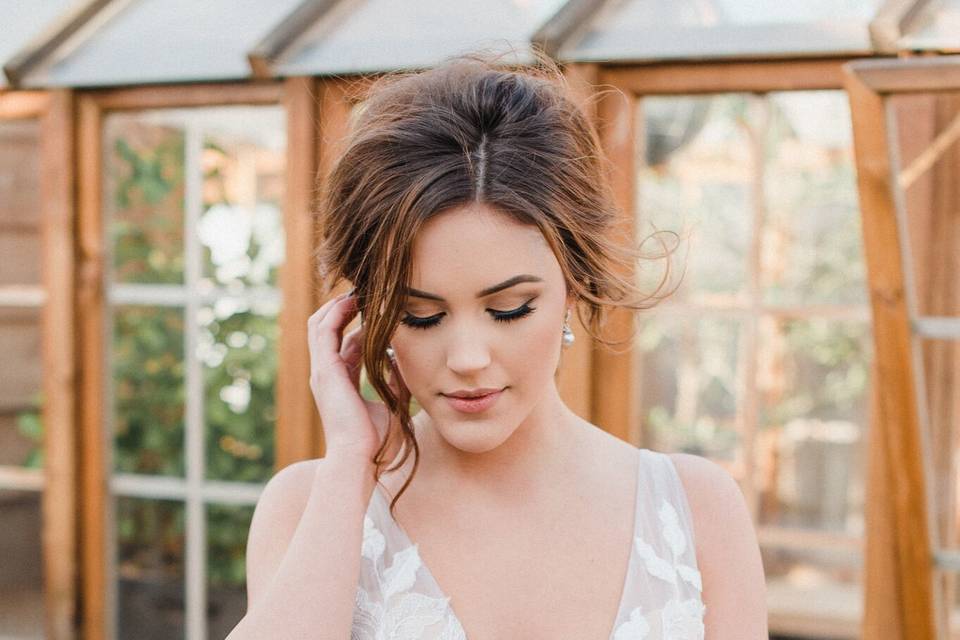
<point>929,154</point>
<point>21,572</point>
<point>243,166</point>
<point>631,30</point>
<point>812,380</point>
<point>688,388</point>
<point>21,432</point>
<point>144,197</point>
<point>227,528</point>
<point>150,569</point>
<point>154,41</point>
<point>148,390</point>
<point>814,593</point>
<point>19,202</point>
<point>697,176</point>
<point>812,244</point>
<point>238,346</point>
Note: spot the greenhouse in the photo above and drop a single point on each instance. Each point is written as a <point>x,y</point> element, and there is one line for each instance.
<point>159,162</point>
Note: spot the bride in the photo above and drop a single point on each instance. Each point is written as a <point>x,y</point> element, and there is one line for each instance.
<point>471,213</point>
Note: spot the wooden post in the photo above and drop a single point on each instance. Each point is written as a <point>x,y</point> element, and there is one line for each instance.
<point>614,398</point>
<point>297,424</point>
<point>899,563</point>
<point>59,375</point>
<point>94,442</point>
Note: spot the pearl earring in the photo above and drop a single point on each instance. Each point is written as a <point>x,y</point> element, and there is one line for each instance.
<point>391,353</point>
<point>568,337</point>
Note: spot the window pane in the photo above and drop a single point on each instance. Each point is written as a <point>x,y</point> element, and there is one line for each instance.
<point>812,379</point>
<point>244,153</point>
<point>21,577</point>
<point>19,202</point>
<point>812,244</point>
<point>21,432</point>
<point>148,390</point>
<point>144,197</point>
<point>688,389</point>
<point>150,568</point>
<point>238,346</point>
<point>697,179</point>
<point>227,528</point>
<point>814,592</point>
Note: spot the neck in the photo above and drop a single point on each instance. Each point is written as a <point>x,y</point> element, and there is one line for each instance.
<point>537,454</point>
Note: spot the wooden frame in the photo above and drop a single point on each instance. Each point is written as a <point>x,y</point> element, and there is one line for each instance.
<point>59,501</point>
<point>294,441</point>
<point>903,601</point>
<point>616,377</point>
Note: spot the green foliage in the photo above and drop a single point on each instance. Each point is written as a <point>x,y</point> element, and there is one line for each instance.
<point>30,426</point>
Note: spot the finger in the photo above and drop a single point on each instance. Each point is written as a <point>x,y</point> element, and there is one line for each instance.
<point>351,352</point>
<point>328,334</point>
<point>320,313</point>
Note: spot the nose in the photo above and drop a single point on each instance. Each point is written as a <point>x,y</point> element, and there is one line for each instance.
<point>468,353</point>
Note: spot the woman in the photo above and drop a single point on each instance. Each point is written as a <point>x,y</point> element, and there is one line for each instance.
<point>471,214</point>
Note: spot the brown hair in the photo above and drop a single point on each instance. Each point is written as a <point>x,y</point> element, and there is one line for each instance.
<point>468,131</point>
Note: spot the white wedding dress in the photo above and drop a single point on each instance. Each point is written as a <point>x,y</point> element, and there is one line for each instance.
<point>398,598</point>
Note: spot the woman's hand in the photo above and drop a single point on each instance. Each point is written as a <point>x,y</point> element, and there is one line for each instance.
<point>351,424</point>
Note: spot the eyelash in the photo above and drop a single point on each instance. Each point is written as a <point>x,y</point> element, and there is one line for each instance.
<point>416,322</point>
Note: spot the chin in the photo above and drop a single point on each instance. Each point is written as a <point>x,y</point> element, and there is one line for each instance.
<point>474,436</point>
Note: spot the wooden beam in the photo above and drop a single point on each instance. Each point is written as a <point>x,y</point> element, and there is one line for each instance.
<point>16,105</point>
<point>297,421</point>
<point>66,27</point>
<point>189,95</point>
<point>614,397</point>
<point>891,22</point>
<point>932,74</point>
<point>555,32</point>
<point>272,46</point>
<point>899,561</point>
<point>91,310</point>
<point>717,77</point>
<point>59,374</point>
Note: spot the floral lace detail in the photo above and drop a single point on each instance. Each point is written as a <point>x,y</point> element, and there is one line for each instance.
<point>403,615</point>
<point>680,619</point>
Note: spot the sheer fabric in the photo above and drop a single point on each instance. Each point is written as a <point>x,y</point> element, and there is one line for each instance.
<point>398,598</point>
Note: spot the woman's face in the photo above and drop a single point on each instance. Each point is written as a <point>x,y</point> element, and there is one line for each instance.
<point>484,312</point>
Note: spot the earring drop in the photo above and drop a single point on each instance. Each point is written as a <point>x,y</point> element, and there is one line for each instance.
<point>391,353</point>
<point>568,337</point>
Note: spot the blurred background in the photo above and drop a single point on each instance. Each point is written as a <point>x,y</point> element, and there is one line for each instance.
<point>158,167</point>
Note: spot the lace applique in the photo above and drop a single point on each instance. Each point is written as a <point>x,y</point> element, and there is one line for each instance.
<point>679,619</point>
<point>636,628</point>
<point>683,619</point>
<point>403,615</point>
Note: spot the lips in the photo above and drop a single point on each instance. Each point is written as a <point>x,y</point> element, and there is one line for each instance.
<point>470,393</point>
<point>469,402</point>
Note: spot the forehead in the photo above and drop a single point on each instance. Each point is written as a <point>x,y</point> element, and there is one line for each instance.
<point>475,246</point>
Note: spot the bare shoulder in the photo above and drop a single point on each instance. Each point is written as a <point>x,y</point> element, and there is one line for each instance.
<point>728,554</point>
<point>274,521</point>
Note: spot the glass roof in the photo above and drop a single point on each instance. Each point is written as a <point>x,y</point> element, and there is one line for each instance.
<point>147,41</point>
<point>24,20</point>
<point>377,35</point>
<point>131,42</point>
<point>936,27</point>
<point>636,30</point>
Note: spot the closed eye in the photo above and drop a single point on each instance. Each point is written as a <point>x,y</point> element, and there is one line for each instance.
<point>418,322</point>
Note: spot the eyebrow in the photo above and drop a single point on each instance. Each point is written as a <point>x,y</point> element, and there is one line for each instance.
<point>506,284</point>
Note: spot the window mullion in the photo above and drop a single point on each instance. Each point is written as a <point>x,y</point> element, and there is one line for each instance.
<point>196,561</point>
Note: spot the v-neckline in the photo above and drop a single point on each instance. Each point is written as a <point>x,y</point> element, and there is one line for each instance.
<point>385,499</point>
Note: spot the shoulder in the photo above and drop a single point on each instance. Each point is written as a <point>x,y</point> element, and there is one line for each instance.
<point>274,521</point>
<point>728,553</point>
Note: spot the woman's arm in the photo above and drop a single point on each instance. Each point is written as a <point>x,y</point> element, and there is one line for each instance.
<point>303,551</point>
<point>728,554</point>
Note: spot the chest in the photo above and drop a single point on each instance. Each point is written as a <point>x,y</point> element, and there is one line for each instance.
<point>547,573</point>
